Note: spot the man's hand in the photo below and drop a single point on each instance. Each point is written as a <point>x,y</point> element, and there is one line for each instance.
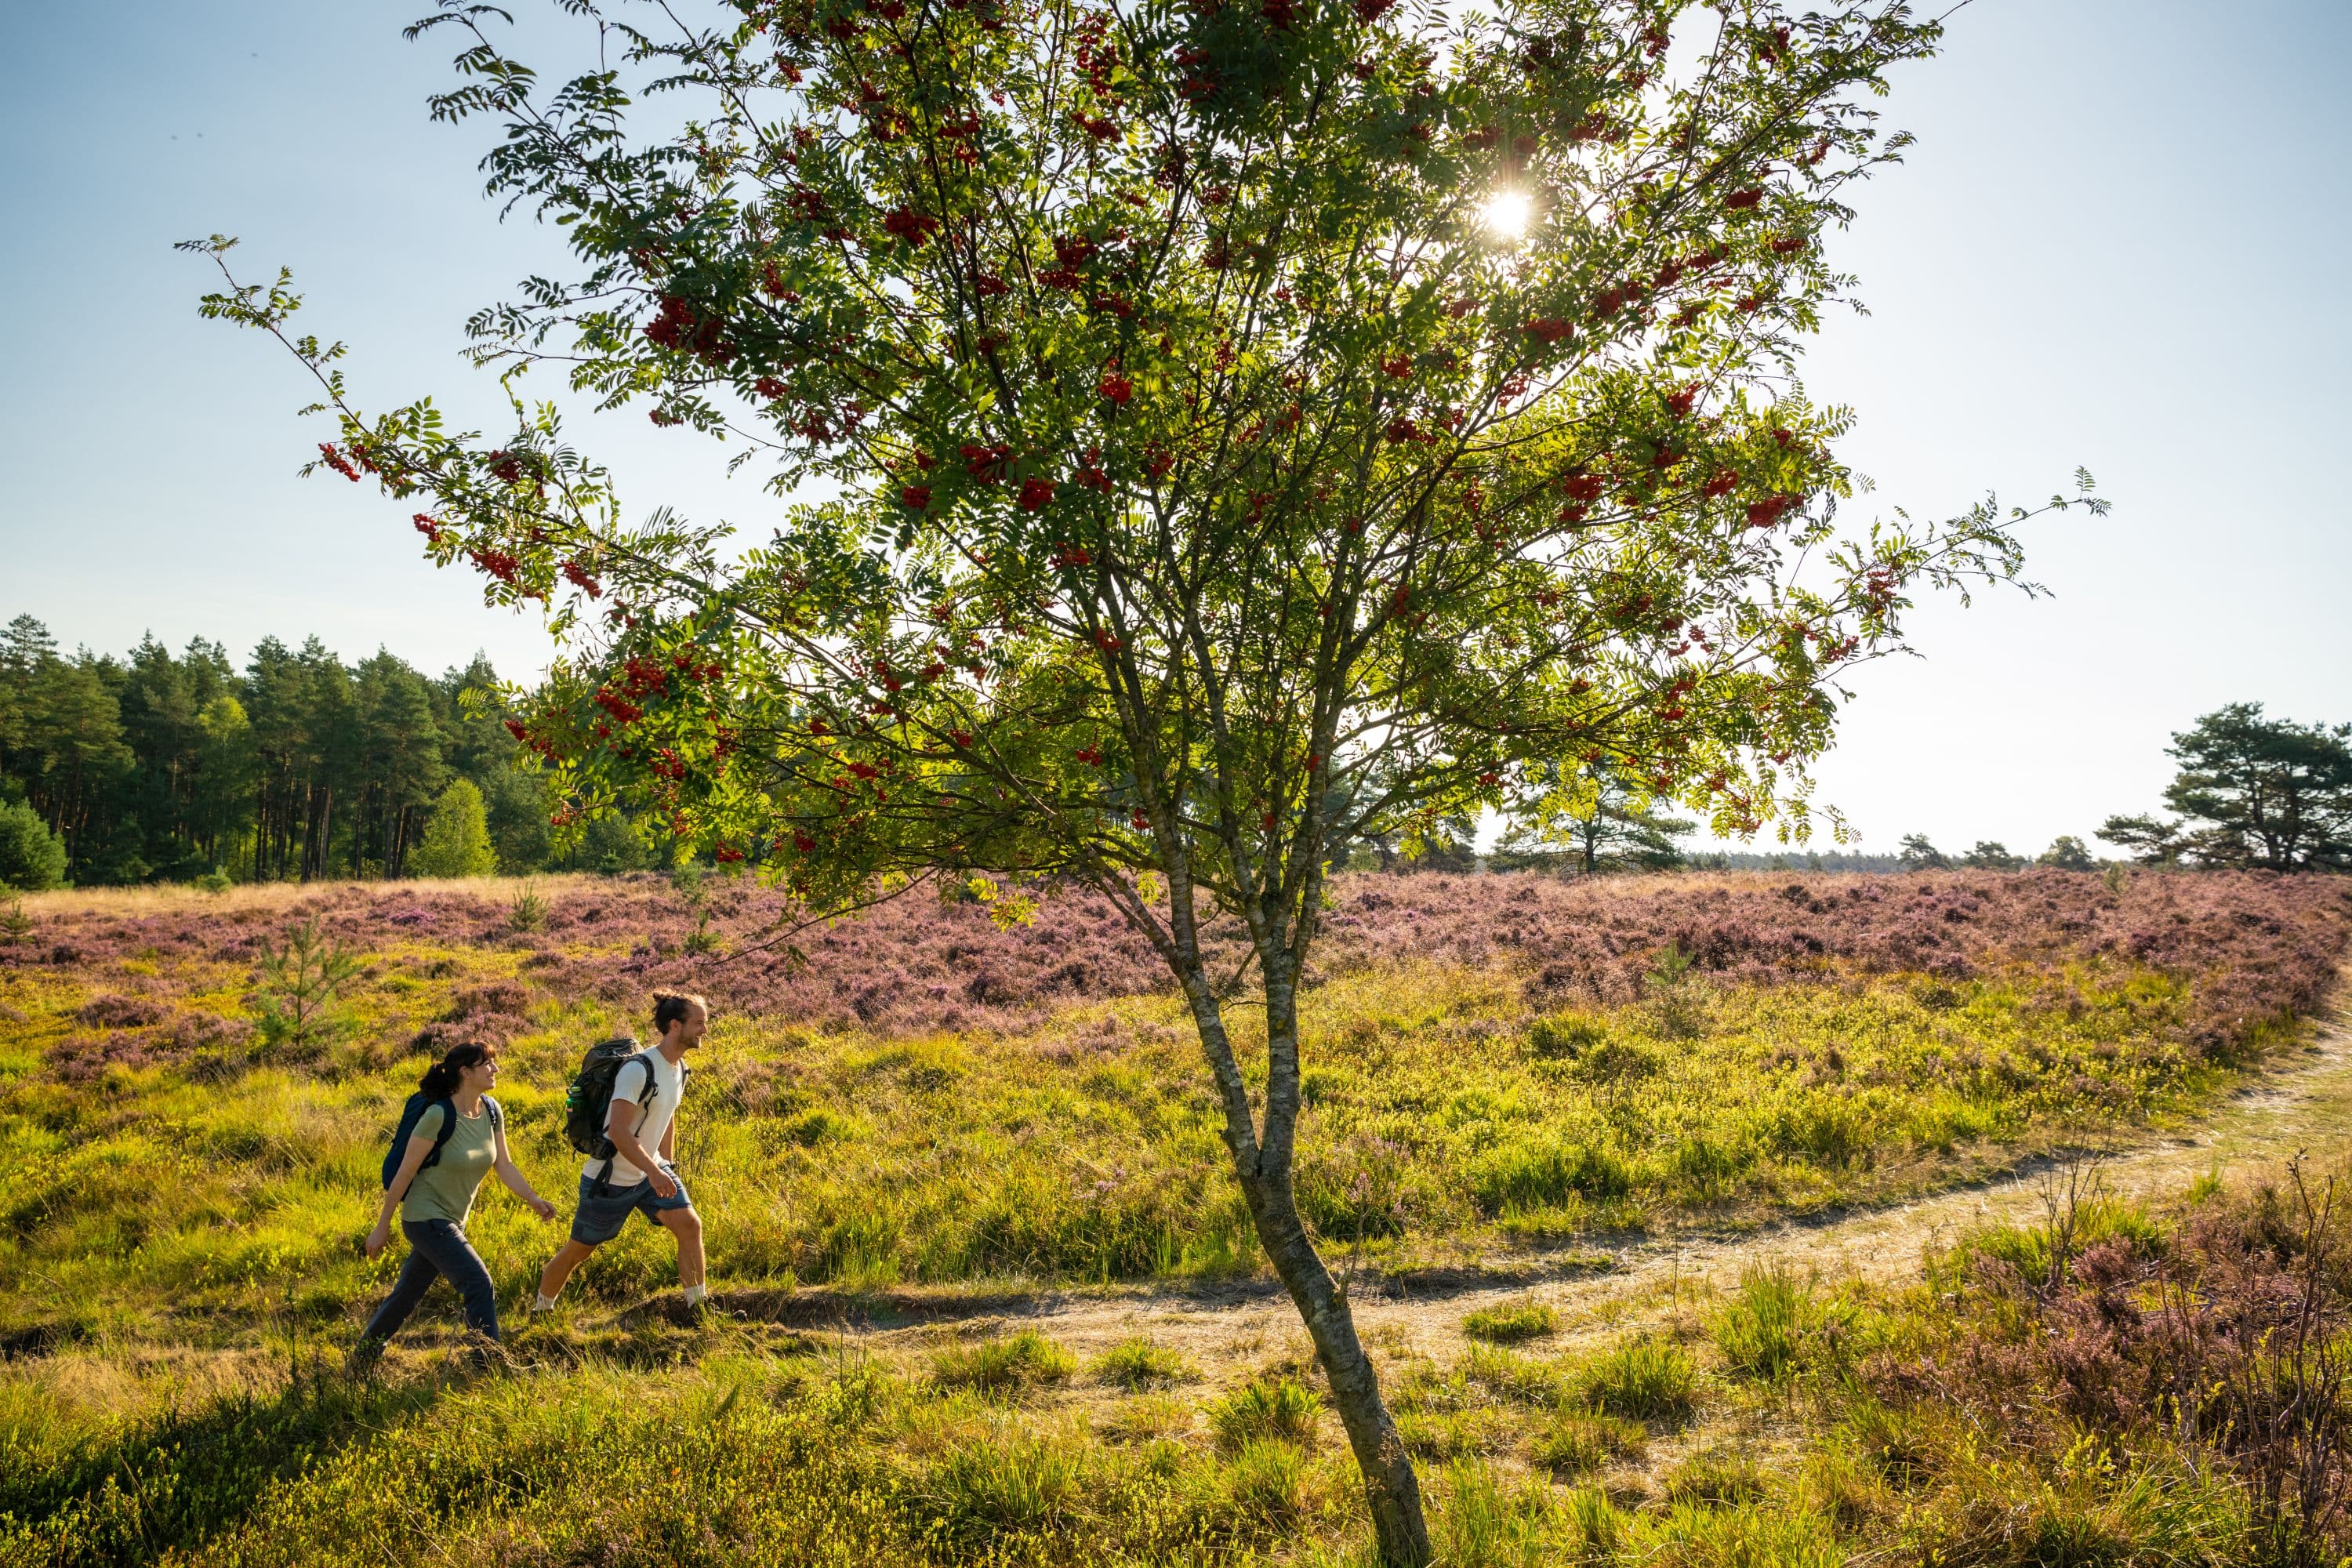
<point>664,1186</point>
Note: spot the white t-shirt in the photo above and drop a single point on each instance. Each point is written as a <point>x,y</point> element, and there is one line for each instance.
<point>629,1088</point>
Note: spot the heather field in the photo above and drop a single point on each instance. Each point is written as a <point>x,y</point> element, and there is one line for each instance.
<point>926,1121</point>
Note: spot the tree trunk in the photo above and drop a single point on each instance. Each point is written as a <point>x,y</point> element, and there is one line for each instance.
<point>1392,1491</point>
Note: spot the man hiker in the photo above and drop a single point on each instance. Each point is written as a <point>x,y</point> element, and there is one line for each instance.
<point>637,1175</point>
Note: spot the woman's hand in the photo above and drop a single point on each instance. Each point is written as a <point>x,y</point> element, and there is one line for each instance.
<point>541,1208</point>
<point>377,1240</point>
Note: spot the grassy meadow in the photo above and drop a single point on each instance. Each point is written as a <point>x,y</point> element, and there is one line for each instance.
<point>1506,1077</point>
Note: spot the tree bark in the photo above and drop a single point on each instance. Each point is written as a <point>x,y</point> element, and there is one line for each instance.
<point>1392,1491</point>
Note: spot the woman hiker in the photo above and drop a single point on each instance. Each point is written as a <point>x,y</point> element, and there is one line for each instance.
<point>435,1198</point>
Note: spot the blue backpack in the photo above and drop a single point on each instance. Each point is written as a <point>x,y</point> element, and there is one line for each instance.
<point>413,1112</point>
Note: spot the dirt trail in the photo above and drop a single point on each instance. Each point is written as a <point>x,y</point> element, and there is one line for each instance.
<point>2306,1103</point>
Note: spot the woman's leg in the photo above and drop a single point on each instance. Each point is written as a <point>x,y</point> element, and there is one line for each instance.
<point>416,1279</point>
<point>457,1261</point>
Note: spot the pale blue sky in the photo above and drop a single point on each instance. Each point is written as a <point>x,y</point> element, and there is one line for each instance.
<point>2119,243</point>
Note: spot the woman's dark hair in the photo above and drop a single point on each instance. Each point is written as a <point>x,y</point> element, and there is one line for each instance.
<point>669,1006</point>
<point>440,1079</point>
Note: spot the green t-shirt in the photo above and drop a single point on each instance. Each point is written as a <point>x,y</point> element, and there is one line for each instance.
<point>444,1190</point>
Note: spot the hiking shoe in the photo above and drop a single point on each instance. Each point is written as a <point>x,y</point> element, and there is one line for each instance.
<point>361,1359</point>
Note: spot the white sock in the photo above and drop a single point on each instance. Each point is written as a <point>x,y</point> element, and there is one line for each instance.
<point>694,1293</point>
<point>542,1303</point>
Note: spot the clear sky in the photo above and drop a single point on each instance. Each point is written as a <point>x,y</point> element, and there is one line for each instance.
<point>2119,243</point>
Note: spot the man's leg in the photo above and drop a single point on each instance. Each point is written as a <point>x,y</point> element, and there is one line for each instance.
<point>596,1221</point>
<point>687,1225</point>
<point>558,1269</point>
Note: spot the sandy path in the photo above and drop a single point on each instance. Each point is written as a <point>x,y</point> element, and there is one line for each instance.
<point>1223,1329</point>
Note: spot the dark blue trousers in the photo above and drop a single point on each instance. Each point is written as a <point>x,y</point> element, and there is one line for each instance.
<point>436,1247</point>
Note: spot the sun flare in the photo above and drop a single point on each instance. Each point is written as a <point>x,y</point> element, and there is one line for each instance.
<point>1506,214</point>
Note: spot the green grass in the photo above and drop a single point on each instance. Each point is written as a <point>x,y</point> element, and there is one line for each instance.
<point>1645,1378</point>
<point>1578,1442</point>
<point>1276,1409</point>
<point>176,1287</point>
<point>1443,1117</point>
<point>1138,1363</point>
<point>1014,1364</point>
<point>1511,1323</point>
<point>1774,1321</point>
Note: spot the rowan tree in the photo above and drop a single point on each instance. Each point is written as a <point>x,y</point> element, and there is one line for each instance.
<point>1204,432</point>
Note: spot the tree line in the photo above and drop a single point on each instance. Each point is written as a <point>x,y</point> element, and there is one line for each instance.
<point>182,767</point>
<point>163,767</point>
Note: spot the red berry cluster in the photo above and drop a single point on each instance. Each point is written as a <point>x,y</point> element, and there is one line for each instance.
<point>677,327</point>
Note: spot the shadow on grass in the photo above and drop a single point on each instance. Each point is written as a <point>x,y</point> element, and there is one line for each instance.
<point>174,1480</point>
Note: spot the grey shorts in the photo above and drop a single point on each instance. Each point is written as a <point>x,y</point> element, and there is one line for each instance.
<point>606,1208</point>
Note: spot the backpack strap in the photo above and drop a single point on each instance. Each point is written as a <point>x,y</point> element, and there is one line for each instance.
<point>497,1117</point>
<point>448,1130</point>
<point>644,1104</point>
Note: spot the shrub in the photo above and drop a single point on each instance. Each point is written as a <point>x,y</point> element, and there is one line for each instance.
<point>457,841</point>
<point>1024,1360</point>
<point>1138,1363</point>
<point>1265,1409</point>
<point>31,856</point>
<point>302,982</point>
<point>528,912</point>
<point>1511,1321</point>
<point>1646,1379</point>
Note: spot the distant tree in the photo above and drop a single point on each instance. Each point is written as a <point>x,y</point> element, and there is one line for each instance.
<point>1990,855</point>
<point>2148,839</point>
<point>1918,854</point>
<point>227,770</point>
<point>1595,815</point>
<point>31,856</point>
<point>2251,791</point>
<point>457,841</point>
<point>2067,853</point>
<point>1448,844</point>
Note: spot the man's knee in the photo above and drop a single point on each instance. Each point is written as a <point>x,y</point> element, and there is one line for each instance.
<point>683,1224</point>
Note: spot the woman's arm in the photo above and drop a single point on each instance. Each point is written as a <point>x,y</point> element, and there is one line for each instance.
<point>511,1174</point>
<point>420,1147</point>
